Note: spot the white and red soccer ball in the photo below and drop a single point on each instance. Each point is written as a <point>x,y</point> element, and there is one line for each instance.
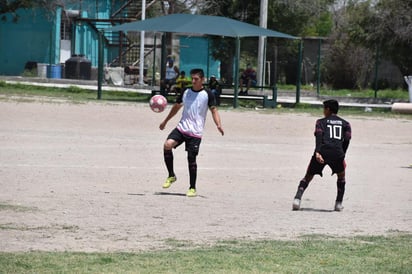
<point>158,103</point>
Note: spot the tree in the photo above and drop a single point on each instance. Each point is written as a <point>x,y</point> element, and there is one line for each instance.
<point>387,25</point>
<point>365,31</point>
<point>12,6</point>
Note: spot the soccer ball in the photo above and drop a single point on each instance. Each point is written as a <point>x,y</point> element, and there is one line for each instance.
<point>158,103</point>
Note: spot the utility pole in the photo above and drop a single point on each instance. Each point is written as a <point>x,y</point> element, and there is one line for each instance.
<point>262,42</point>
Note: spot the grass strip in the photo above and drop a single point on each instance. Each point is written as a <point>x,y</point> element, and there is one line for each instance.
<point>311,254</point>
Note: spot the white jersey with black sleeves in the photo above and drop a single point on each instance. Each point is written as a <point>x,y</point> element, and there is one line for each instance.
<point>195,106</point>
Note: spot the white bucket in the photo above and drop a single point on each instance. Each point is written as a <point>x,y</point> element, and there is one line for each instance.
<point>41,70</point>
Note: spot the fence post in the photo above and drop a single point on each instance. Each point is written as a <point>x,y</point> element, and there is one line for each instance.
<point>299,74</point>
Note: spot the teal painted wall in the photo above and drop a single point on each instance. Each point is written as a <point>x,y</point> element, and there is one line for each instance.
<point>194,53</point>
<point>86,38</point>
<point>22,42</point>
<point>36,36</point>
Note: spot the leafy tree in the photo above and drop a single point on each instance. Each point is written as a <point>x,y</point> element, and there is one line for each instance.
<point>362,30</point>
<point>12,6</point>
<point>387,25</point>
<point>347,64</point>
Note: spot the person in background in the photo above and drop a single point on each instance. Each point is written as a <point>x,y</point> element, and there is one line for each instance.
<point>170,77</point>
<point>248,78</point>
<point>215,88</point>
<point>182,82</point>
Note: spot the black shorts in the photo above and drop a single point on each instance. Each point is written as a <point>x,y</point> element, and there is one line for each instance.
<point>192,143</point>
<point>336,164</point>
<point>170,81</point>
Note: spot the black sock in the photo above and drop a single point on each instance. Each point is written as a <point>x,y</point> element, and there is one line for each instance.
<point>192,171</point>
<point>301,188</point>
<point>168,156</point>
<point>341,189</point>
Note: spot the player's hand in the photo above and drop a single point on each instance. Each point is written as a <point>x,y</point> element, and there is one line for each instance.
<point>319,158</point>
<point>221,130</point>
<point>162,125</point>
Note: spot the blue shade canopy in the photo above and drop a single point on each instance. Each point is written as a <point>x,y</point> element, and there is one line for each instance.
<point>199,24</point>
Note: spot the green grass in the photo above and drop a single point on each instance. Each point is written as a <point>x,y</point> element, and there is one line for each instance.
<point>78,94</point>
<point>366,93</point>
<point>311,254</point>
<point>70,93</point>
<point>29,93</point>
<point>16,208</point>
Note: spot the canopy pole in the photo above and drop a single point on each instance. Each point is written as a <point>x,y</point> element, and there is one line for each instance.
<point>100,66</point>
<point>208,59</point>
<point>154,61</point>
<point>163,62</point>
<point>236,73</point>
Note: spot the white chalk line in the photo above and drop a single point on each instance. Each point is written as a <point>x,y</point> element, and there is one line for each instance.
<point>123,167</point>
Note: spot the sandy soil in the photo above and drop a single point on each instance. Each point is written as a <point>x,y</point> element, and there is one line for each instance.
<point>87,177</point>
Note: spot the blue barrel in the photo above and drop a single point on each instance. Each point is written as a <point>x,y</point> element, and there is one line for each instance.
<point>54,71</point>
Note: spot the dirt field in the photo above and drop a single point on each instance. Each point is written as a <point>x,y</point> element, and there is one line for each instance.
<point>87,177</point>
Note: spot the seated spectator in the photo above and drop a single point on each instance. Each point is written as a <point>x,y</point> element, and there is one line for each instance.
<point>182,82</point>
<point>215,88</point>
<point>248,78</point>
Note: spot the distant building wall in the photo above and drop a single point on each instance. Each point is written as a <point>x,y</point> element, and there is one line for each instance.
<point>194,53</point>
<point>29,39</point>
<point>36,36</point>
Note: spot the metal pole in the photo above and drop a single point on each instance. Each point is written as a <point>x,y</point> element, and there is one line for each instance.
<point>51,47</point>
<point>236,72</point>
<point>154,61</point>
<point>318,82</point>
<point>376,71</point>
<point>141,64</point>
<point>100,67</point>
<point>208,58</point>
<point>262,42</point>
<point>275,67</point>
<point>299,73</point>
<point>163,60</point>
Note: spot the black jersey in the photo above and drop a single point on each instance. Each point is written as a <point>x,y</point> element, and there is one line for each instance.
<point>332,136</point>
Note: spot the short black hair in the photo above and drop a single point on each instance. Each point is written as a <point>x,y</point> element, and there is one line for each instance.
<point>332,105</point>
<point>198,71</point>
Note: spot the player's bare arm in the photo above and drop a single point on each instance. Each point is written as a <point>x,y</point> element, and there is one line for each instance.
<point>216,119</point>
<point>175,109</point>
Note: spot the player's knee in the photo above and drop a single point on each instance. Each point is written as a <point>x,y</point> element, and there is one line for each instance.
<point>168,145</point>
<point>341,176</point>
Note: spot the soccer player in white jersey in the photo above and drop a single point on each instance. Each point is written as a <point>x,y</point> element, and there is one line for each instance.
<point>195,102</point>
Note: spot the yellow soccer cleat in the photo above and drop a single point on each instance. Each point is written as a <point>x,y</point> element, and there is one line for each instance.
<point>191,192</point>
<point>169,181</point>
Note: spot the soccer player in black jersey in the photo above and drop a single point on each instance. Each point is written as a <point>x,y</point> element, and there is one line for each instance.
<point>332,135</point>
